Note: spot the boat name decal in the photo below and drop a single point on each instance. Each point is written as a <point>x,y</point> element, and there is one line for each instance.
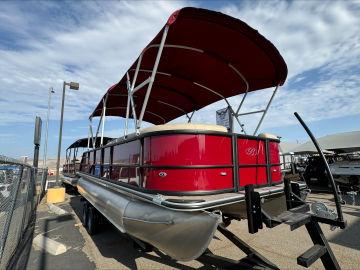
<point>251,151</point>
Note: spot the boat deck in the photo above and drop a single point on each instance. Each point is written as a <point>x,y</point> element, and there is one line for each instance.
<point>186,202</point>
<point>221,199</point>
<point>241,194</point>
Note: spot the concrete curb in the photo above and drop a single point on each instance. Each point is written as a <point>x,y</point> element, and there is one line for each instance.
<point>51,246</point>
<point>56,209</point>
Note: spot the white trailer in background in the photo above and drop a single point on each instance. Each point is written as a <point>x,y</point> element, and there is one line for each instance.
<point>345,160</point>
<point>346,169</point>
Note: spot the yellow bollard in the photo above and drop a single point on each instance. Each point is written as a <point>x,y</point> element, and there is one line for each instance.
<point>55,195</point>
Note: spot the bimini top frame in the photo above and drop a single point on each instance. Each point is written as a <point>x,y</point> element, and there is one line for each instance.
<point>83,143</point>
<point>72,150</point>
<point>182,71</point>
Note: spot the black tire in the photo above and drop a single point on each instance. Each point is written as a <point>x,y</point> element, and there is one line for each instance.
<point>92,221</point>
<point>85,214</point>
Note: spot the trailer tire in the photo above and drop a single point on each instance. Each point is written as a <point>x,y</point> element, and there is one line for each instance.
<point>92,221</point>
<point>85,214</point>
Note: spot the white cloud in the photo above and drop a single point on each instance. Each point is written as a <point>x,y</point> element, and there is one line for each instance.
<point>309,34</point>
<point>95,43</point>
<point>95,53</point>
<point>317,39</point>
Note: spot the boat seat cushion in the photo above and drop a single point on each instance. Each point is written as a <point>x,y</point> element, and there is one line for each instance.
<point>187,126</point>
<point>268,136</point>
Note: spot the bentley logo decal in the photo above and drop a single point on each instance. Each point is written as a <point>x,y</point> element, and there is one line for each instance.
<point>251,151</point>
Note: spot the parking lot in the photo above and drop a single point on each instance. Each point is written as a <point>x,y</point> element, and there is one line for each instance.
<point>109,249</point>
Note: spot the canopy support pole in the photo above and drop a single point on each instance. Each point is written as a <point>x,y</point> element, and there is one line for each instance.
<point>98,127</point>
<point>141,85</point>
<point>266,109</point>
<point>259,111</point>
<point>88,142</point>
<point>247,86</point>
<point>242,101</point>
<point>74,159</point>
<point>236,117</point>
<point>133,110</point>
<point>227,102</point>
<point>102,129</point>
<point>103,121</point>
<point>132,103</point>
<point>190,117</point>
<point>152,78</point>
<point>136,71</point>
<point>92,134</point>
<point>130,92</point>
<point>75,152</point>
<point>127,116</point>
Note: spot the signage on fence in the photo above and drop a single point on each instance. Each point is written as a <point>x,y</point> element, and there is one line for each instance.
<point>37,132</point>
<point>224,118</point>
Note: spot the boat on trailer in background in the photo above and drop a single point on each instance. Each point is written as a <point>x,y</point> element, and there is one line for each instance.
<point>72,163</point>
<point>171,186</point>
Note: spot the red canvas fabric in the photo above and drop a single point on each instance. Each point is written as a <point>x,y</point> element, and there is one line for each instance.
<point>219,42</point>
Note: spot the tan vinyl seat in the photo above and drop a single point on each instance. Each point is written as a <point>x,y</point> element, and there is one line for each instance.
<point>168,127</point>
<point>268,136</point>
<point>186,126</point>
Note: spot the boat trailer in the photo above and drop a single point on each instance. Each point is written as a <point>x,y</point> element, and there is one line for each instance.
<point>297,215</point>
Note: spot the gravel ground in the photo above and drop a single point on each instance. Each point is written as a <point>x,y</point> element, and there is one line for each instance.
<point>112,250</point>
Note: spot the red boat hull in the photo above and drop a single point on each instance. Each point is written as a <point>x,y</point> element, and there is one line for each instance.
<point>185,162</point>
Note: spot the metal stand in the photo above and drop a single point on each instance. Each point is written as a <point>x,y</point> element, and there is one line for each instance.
<point>253,260</point>
<point>297,215</point>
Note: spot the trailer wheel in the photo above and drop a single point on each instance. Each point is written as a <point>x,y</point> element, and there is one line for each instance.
<point>85,214</point>
<point>92,221</point>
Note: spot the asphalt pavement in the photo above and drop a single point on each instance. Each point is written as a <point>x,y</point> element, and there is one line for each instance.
<point>109,249</point>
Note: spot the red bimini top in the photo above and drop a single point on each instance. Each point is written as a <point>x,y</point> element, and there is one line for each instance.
<point>207,56</point>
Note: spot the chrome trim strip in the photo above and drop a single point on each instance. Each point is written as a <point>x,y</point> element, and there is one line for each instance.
<point>237,198</point>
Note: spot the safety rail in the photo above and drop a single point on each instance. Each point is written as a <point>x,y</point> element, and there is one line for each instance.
<point>340,218</point>
<point>71,168</point>
<point>21,188</point>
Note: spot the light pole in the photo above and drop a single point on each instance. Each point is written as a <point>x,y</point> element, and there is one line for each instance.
<point>51,91</point>
<point>74,86</point>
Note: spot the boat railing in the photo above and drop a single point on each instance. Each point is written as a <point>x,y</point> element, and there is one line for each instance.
<point>254,155</point>
<point>72,164</point>
<point>71,168</point>
<point>340,219</point>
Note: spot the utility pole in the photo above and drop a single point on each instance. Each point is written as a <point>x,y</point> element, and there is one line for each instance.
<point>74,86</point>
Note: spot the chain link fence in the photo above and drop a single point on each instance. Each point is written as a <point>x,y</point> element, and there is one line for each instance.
<point>21,188</point>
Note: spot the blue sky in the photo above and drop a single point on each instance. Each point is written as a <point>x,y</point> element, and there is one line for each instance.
<point>94,42</point>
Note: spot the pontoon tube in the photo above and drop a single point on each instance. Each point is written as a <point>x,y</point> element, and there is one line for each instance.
<point>183,236</point>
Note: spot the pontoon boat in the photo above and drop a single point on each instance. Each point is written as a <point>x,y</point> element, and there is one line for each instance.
<point>172,185</point>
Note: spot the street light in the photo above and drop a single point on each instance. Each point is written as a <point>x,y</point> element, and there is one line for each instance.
<point>51,91</point>
<point>73,86</point>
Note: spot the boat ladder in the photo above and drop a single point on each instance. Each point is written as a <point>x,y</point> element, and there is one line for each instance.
<point>297,215</point>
